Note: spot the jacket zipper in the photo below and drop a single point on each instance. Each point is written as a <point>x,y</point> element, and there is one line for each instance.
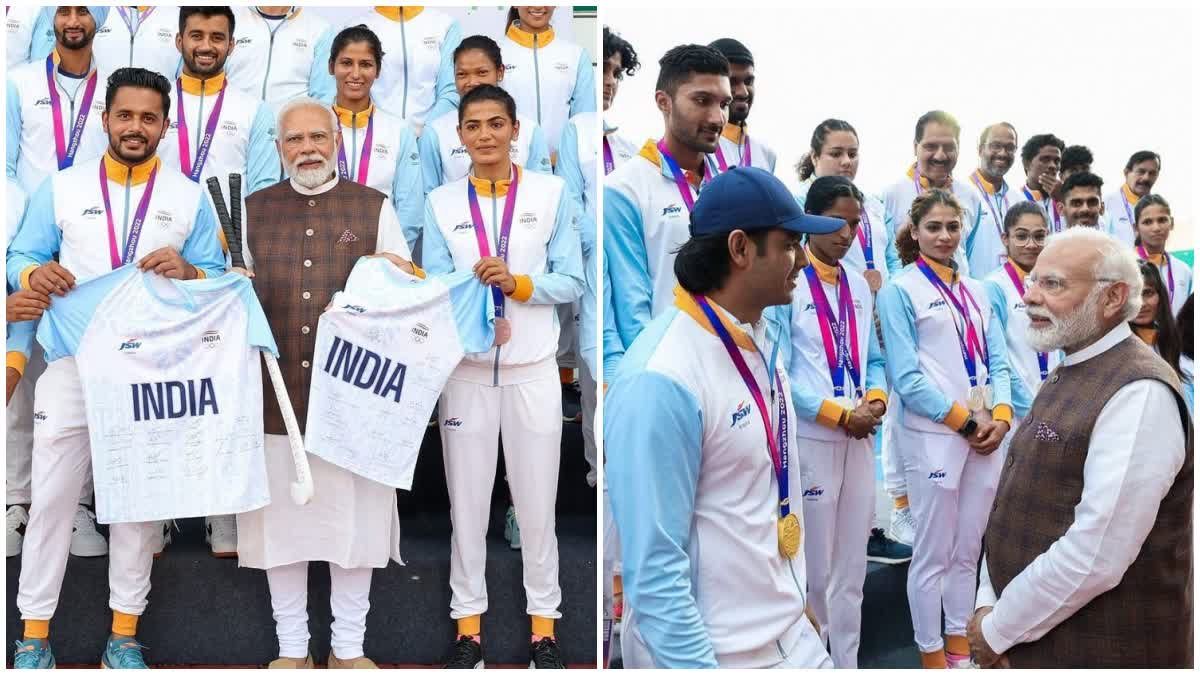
<point>537,80</point>
<point>404,51</point>
<point>125,219</point>
<point>353,147</point>
<point>199,123</point>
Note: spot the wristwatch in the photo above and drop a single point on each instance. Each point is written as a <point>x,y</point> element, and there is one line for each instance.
<point>969,428</point>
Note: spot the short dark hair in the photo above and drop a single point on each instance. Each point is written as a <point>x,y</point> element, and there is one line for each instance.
<point>680,63</point>
<point>142,79</point>
<point>939,116</point>
<point>186,13</point>
<point>1076,157</point>
<point>1144,203</point>
<point>615,44</point>
<point>488,92</point>
<point>1143,156</point>
<point>1023,208</point>
<point>352,35</point>
<point>1083,179</point>
<point>1035,144</point>
<point>807,165</point>
<point>1186,330</point>
<point>702,264</point>
<point>481,43</point>
<point>826,190</point>
<point>986,130</point>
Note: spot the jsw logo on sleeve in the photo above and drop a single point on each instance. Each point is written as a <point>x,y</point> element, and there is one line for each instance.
<point>740,414</point>
<point>357,309</point>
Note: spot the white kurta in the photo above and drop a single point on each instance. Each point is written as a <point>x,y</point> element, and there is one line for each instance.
<point>351,521</point>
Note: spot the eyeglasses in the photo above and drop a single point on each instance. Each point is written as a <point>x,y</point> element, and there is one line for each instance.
<point>998,147</point>
<point>1054,285</point>
<point>1023,238</point>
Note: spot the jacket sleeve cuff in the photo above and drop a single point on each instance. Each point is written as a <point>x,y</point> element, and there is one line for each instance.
<point>1002,413</point>
<point>16,361</point>
<point>957,417</point>
<point>200,274</point>
<point>524,290</point>
<point>830,414</point>
<point>991,636</point>
<point>417,271</point>
<point>25,273</point>
<point>877,395</point>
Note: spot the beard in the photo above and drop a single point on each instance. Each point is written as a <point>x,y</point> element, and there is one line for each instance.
<point>314,177</point>
<point>76,44</point>
<point>149,146</point>
<point>204,72</point>
<point>1072,329</point>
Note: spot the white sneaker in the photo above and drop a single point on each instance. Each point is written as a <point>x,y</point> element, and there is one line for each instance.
<point>86,542</point>
<point>16,518</point>
<point>221,534</point>
<point>904,527</point>
<point>165,539</point>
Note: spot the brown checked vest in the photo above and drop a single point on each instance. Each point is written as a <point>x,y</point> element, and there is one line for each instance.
<point>1146,620</point>
<point>304,247</point>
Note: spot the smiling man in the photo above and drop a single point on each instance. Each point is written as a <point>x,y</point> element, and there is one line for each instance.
<point>1141,173</point>
<point>1079,201</point>
<point>936,146</point>
<point>699,446</point>
<point>997,152</point>
<point>647,201</point>
<point>736,147</point>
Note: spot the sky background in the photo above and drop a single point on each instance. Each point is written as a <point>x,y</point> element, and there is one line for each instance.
<point>1114,79</point>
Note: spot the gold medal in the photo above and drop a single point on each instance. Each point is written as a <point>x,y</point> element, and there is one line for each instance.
<point>789,536</point>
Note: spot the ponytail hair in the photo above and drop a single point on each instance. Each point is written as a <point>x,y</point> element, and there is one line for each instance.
<point>805,167</point>
<point>808,165</point>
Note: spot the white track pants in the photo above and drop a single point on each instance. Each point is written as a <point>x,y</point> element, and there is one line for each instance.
<point>837,523</point>
<point>587,392</point>
<point>803,650</point>
<point>950,490</point>
<point>894,466</point>
<point>18,423</point>
<point>62,464</point>
<point>528,417</point>
<point>349,600</point>
<point>568,336</point>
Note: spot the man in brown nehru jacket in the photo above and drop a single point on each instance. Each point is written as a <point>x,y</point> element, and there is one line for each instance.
<point>1088,550</point>
<point>301,240</point>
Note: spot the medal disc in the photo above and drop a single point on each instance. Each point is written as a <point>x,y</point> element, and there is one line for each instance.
<point>987,397</point>
<point>975,399</point>
<point>789,535</point>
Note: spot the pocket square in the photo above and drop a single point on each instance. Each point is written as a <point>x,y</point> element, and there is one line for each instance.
<point>347,237</point>
<point>1045,433</point>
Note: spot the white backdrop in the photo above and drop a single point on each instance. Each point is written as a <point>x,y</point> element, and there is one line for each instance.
<point>476,20</point>
<point>1115,80</point>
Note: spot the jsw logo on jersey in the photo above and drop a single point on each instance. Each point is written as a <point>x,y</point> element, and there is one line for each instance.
<point>130,345</point>
<point>937,303</point>
<point>365,369</point>
<point>357,309</point>
<point>460,150</point>
<point>937,474</point>
<point>39,416</point>
<point>672,209</point>
<point>463,226</point>
<point>453,422</point>
<point>814,493</point>
<point>93,211</point>
<point>740,414</point>
<point>245,40</point>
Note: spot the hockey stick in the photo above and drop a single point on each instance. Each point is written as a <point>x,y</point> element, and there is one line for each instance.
<point>231,225</point>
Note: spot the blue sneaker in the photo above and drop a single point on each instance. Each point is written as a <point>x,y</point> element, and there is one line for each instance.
<point>122,652</point>
<point>882,549</point>
<point>34,654</point>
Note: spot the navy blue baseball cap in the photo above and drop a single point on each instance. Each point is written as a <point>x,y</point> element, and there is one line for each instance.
<point>750,199</point>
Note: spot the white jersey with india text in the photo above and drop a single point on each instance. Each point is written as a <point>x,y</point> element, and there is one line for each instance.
<point>384,350</point>
<point>173,391</point>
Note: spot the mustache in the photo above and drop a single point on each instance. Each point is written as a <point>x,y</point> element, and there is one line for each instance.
<point>135,137</point>
<point>1039,314</point>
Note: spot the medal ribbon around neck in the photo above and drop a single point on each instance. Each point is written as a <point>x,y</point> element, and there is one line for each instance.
<point>364,156</point>
<point>189,169</point>
<point>969,344</point>
<point>1170,272</point>
<point>838,335</point>
<point>777,442</point>
<point>65,150</point>
<point>481,238</point>
<point>685,188</point>
<point>139,217</point>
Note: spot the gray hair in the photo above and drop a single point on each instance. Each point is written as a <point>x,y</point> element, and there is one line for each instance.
<point>303,102</point>
<point>1117,262</point>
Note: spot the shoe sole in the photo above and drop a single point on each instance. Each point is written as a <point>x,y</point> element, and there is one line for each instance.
<point>224,554</point>
<point>888,561</point>
<point>83,552</point>
<point>892,535</point>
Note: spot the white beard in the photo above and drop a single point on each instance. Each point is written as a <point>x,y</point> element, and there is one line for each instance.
<point>312,178</point>
<point>1075,328</point>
